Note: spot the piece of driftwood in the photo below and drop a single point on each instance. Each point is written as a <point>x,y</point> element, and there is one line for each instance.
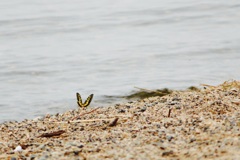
<point>113,123</point>
<point>52,134</point>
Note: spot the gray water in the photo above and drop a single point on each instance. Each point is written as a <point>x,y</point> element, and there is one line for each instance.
<point>49,50</point>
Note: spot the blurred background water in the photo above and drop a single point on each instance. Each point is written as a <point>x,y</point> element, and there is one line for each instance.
<point>49,50</point>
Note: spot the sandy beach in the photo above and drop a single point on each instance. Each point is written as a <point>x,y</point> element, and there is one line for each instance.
<point>202,124</point>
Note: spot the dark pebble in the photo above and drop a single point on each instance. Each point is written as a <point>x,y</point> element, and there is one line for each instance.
<point>80,146</point>
<point>169,138</point>
<point>192,140</point>
<point>82,129</point>
<point>127,106</point>
<point>168,153</point>
<point>172,103</point>
<point>76,153</point>
<point>32,157</point>
<point>143,109</point>
<point>134,136</point>
<point>121,111</point>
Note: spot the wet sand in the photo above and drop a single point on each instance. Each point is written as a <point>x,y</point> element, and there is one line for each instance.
<point>201,124</point>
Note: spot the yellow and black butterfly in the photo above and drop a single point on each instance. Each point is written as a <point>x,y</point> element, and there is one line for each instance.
<point>86,103</point>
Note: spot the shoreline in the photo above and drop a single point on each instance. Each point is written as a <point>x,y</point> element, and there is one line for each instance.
<point>200,124</point>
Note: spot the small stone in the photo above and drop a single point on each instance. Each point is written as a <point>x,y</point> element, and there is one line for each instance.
<point>76,153</point>
<point>169,137</point>
<point>81,129</point>
<point>32,157</point>
<point>172,103</point>
<point>121,111</point>
<point>192,140</point>
<point>47,116</point>
<point>127,106</point>
<point>134,136</point>
<point>167,153</point>
<point>81,146</point>
<point>143,109</point>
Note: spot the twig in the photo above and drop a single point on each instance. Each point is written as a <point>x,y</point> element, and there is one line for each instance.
<point>90,111</point>
<point>113,123</point>
<point>89,120</point>
<point>119,115</point>
<point>169,112</point>
<point>85,113</point>
<point>56,133</point>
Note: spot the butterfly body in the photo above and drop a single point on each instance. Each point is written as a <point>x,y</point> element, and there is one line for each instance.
<point>86,103</point>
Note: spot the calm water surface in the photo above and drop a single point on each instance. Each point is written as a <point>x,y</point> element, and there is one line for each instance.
<point>49,50</point>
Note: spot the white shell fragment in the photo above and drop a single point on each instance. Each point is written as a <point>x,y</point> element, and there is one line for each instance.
<point>18,149</point>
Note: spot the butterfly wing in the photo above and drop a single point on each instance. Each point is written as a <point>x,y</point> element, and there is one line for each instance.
<point>79,100</point>
<point>88,101</point>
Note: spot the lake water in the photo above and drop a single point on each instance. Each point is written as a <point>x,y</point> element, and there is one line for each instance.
<point>49,50</point>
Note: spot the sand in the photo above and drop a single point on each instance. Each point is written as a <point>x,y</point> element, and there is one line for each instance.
<point>201,124</point>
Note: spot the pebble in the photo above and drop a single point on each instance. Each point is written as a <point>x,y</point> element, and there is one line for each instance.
<point>143,109</point>
<point>121,111</point>
<point>169,137</point>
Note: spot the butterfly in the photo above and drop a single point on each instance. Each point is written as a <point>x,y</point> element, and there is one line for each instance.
<point>86,103</point>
